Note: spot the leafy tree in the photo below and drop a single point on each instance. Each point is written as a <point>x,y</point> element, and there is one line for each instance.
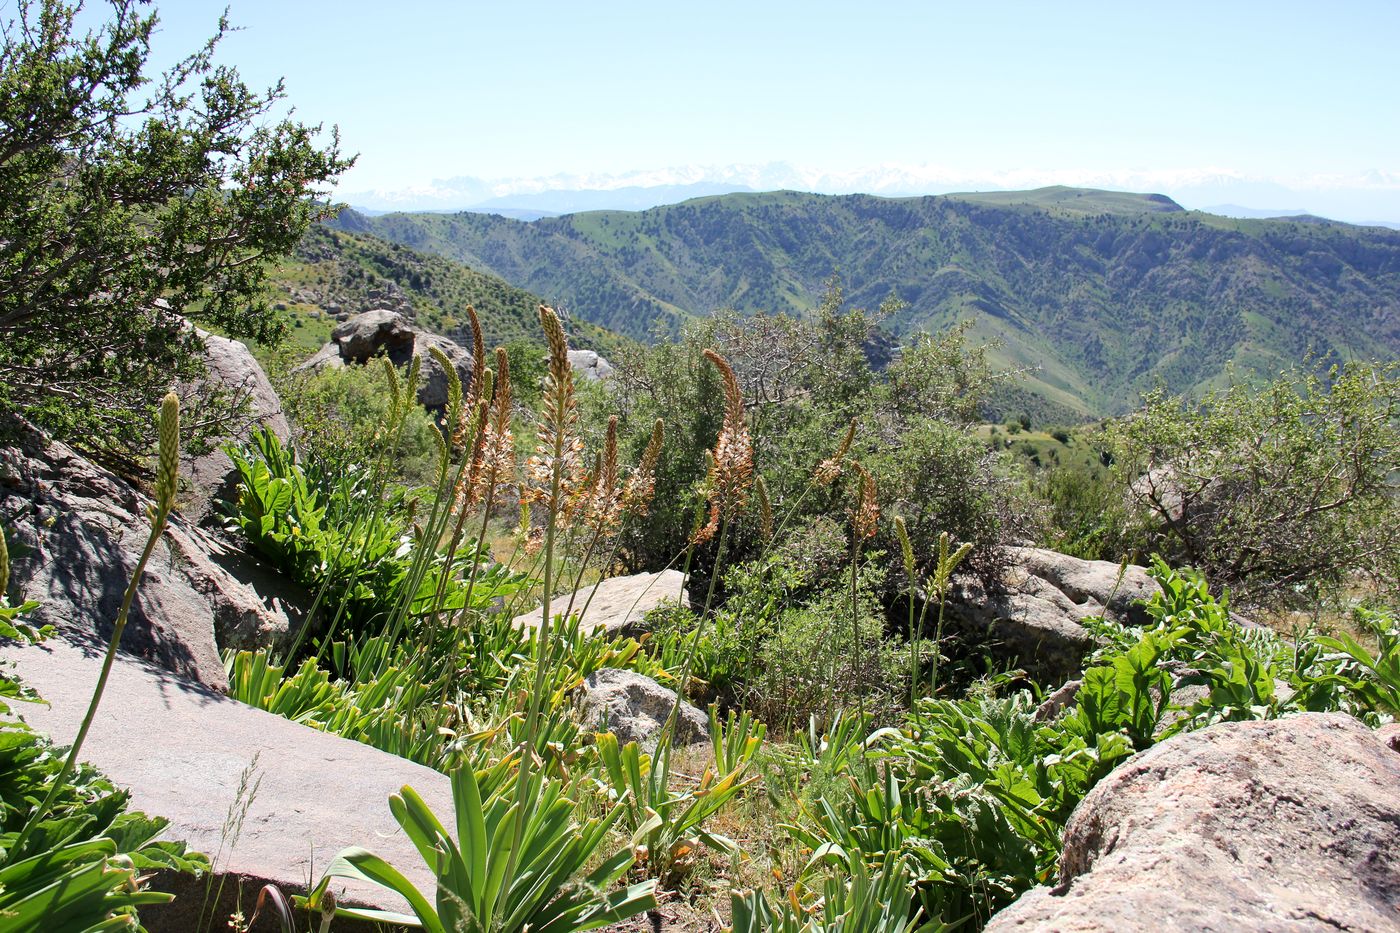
<point>130,207</point>
<point>1280,492</point>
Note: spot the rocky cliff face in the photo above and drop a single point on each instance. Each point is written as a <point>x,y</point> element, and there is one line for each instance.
<point>76,533</point>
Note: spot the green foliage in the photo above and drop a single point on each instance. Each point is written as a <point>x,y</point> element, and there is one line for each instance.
<point>805,380</point>
<point>317,532</point>
<point>668,825</point>
<point>115,184</point>
<point>1279,494</point>
<point>872,901</point>
<point>332,533</point>
<point>340,416</point>
<point>974,793</point>
<point>509,869</point>
<point>1088,513</point>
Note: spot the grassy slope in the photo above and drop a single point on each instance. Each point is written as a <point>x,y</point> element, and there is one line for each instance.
<point>1098,295</point>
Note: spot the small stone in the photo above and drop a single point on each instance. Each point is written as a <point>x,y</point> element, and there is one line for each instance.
<point>634,708</point>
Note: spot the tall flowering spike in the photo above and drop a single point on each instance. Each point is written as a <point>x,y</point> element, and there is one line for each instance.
<point>829,470</point>
<point>391,375</point>
<point>557,439</point>
<point>469,485</point>
<point>641,484</point>
<point>606,506</point>
<point>947,562</point>
<point>498,447</point>
<point>4,567</point>
<point>500,403</point>
<point>906,546</point>
<point>731,464</point>
<point>765,510</point>
<point>454,411</point>
<point>415,374</point>
<point>168,470</point>
<point>865,513</point>
<point>476,390</point>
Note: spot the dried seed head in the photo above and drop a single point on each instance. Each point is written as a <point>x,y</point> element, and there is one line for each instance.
<point>168,470</point>
<point>865,512</point>
<point>829,470</point>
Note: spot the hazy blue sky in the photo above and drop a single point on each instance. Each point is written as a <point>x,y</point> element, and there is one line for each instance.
<point>1302,95</point>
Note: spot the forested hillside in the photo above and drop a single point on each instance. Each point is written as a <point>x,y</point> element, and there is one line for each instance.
<point>334,272</point>
<point>1100,294</point>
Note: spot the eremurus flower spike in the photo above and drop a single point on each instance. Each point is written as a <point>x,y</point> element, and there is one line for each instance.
<point>477,389</point>
<point>166,472</point>
<point>641,483</point>
<point>731,464</point>
<point>829,470</point>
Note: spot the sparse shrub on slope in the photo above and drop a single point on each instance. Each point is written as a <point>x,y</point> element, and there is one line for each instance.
<point>1279,493</point>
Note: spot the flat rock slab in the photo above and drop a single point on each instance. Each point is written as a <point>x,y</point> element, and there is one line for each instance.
<point>182,749</point>
<point>616,605</point>
<point>1285,826</point>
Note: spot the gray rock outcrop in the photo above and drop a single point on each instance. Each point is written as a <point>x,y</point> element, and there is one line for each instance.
<point>1285,826</point>
<point>589,366</point>
<point>616,605</point>
<point>76,532</point>
<point>634,708</point>
<point>183,751</point>
<point>233,370</point>
<point>1043,597</point>
<point>362,337</point>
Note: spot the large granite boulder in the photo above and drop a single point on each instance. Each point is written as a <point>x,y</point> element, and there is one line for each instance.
<point>617,605</point>
<point>589,366</point>
<point>231,369</point>
<point>1037,608</point>
<point>1099,586</point>
<point>634,708</point>
<point>1281,826</point>
<point>184,751</point>
<point>76,532</point>
<point>362,337</point>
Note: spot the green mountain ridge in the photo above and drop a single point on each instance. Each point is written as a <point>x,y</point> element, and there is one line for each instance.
<point>1095,295</point>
